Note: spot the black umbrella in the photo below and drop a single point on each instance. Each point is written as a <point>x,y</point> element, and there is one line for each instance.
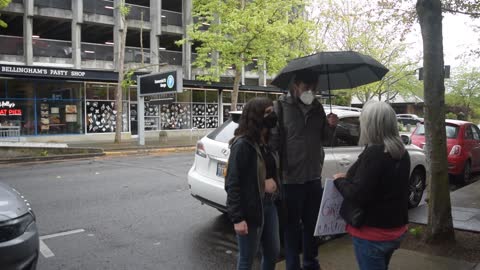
<point>336,70</point>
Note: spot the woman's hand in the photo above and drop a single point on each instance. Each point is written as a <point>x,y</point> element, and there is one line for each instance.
<point>241,228</point>
<point>270,185</point>
<point>339,175</point>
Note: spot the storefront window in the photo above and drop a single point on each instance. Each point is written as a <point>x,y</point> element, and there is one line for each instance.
<point>198,96</point>
<point>133,94</point>
<point>97,91</point>
<point>3,88</point>
<point>226,96</point>
<point>248,96</point>
<point>185,96</point>
<point>59,117</point>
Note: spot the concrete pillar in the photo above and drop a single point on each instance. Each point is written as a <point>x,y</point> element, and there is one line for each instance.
<point>155,32</point>
<point>28,32</point>
<point>77,10</point>
<point>187,47</point>
<point>262,75</point>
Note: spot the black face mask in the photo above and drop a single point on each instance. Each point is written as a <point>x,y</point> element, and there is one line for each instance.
<point>270,121</point>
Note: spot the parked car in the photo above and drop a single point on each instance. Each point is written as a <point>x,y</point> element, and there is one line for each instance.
<point>408,121</point>
<point>206,179</point>
<point>19,241</point>
<point>463,147</point>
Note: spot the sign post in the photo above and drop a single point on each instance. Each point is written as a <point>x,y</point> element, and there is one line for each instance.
<point>163,85</point>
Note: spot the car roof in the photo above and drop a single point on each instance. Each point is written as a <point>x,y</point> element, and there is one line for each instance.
<point>457,122</point>
<point>341,113</point>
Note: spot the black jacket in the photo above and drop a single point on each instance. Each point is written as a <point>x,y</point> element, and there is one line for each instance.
<point>379,184</point>
<point>300,138</point>
<point>245,182</point>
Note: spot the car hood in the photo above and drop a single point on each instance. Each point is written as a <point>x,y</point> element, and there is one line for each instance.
<point>12,205</point>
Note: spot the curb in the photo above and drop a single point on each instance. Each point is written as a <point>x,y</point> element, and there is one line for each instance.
<point>47,158</point>
<point>149,151</point>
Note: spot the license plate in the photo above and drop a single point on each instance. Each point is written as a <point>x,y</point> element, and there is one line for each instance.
<point>221,169</point>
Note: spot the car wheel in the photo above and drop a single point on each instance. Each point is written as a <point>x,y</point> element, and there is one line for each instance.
<point>416,187</point>
<point>466,176</point>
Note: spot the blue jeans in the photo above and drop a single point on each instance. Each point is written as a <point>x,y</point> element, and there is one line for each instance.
<point>268,236</point>
<point>374,255</point>
<point>302,203</point>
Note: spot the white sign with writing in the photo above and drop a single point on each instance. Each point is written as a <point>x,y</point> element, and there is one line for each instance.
<point>329,220</point>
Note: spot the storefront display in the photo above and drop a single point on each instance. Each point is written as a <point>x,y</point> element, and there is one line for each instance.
<point>101,116</point>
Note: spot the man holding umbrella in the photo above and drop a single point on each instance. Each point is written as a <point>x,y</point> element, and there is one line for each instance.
<point>299,138</point>
<point>303,129</point>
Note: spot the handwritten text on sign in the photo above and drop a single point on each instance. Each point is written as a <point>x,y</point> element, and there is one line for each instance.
<point>329,220</point>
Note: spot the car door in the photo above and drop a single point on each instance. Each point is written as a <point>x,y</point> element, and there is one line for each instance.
<point>475,148</point>
<point>344,150</point>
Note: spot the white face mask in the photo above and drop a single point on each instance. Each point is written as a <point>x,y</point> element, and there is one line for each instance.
<point>307,97</point>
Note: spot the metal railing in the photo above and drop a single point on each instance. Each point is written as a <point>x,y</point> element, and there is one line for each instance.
<point>10,133</point>
<point>60,4</point>
<point>134,55</point>
<point>92,51</point>
<point>171,57</point>
<point>11,45</point>
<point>136,13</point>
<point>52,48</point>
<point>171,18</point>
<point>101,7</point>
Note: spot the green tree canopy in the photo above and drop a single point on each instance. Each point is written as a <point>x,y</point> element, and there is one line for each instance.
<point>4,4</point>
<point>464,90</point>
<point>232,34</point>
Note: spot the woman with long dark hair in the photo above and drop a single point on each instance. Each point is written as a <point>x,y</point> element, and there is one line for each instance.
<point>252,185</point>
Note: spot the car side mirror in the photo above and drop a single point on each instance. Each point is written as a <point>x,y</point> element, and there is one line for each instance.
<point>406,139</point>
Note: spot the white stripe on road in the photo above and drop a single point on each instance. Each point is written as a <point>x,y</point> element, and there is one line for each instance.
<point>61,234</point>
<point>47,252</point>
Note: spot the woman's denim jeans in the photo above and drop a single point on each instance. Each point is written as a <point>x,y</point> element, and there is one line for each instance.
<point>374,255</point>
<point>268,237</point>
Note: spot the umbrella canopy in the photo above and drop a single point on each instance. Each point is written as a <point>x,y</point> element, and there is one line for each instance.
<point>336,70</point>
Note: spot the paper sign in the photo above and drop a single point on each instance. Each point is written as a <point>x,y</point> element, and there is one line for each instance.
<point>329,220</point>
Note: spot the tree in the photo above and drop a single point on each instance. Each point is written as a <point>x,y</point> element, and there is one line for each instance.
<point>233,34</point>
<point>353,25</point>
<point>464,90</point>
<point>429,14</point>
<point>123,11</point>
<point>4,4</point>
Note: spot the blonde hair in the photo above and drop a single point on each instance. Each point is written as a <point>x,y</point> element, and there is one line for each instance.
<point>378,125</point>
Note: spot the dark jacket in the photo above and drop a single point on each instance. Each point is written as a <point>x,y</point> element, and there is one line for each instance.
<point>245,182</point>
<point>300,141</point>
<point>379,184</point>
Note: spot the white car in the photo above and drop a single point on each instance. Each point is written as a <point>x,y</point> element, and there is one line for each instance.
<point>206,180</point>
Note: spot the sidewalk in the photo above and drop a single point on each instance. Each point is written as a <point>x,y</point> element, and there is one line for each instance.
<point>338,255</point>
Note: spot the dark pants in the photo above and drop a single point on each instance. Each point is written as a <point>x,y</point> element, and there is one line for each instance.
<point>266,236</point>
<point>302,202</point>
<point>374,255</point>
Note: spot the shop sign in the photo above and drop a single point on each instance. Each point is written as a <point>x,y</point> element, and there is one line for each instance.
<point>48,72</point>
<point>7,108</point>
<point>161,83</point>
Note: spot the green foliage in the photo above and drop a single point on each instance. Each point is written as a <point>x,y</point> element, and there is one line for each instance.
<point>44,153</point>
<point>358,26</point>
<point>450,115</point>
<point>464,90</point>
<point>416,231</point>
<point>262,32</point>
<point>4,4</point>
<point>343,98</point>
<point>127,79</point>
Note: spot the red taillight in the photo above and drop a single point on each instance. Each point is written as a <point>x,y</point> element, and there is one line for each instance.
<point>456,150</point>
<point>201,150</point>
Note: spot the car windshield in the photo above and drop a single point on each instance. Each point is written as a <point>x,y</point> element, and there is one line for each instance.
<point>223,133</point>
<point>451,130</point>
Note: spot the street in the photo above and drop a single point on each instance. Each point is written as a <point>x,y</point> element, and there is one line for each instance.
<point>131,212</point>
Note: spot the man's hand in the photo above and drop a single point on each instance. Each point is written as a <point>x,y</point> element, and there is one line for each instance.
<point>241,228</point>
<point>270,185</point>
<point>332,119</point>
<point>339,175</point>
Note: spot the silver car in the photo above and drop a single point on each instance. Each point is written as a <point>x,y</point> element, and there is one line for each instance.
<point>206,179</point>
<point>19,240</point>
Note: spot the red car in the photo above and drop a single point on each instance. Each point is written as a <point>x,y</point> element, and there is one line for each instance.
<point>463,147</point>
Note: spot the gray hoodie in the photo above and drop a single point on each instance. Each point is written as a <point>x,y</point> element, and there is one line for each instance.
<point>300,142</point>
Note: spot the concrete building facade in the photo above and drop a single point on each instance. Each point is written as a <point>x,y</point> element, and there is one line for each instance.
<point>58,61</point>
